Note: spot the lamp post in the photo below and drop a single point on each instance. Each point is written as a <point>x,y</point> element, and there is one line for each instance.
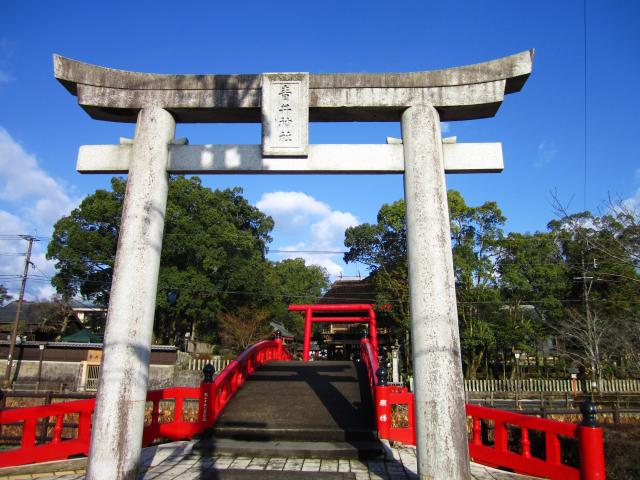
<point>516,354</point>
<point>395,363</point>
<point>594,387</point>
<point>187,337</point>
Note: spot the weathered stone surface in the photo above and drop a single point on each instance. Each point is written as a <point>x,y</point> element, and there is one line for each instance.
<point>330,159</point>
<point>285,114</point>
<point>472,91</point>
<point>441,435</point>
<point>116,435</point>
<point>513,68</point>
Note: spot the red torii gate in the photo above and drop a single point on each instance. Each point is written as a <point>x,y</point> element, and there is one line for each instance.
<point>308,310</point>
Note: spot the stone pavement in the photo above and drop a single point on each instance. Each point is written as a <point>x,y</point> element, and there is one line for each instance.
<point>178,460</point>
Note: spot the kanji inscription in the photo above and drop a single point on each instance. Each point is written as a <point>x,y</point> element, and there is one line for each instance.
<point>285,114</point>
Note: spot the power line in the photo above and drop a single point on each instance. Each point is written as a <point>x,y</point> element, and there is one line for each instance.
<point>584,18</point>
<point>361,298</point>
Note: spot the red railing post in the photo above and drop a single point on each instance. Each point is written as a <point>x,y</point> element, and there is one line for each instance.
<point>592,465</point>
<point>29,433</point>
<point>57,430</point>
<point>591,444</point>
<point>500,437</point>
<point>206,408</point>
<point>383,411</point>
<point>84,429</point>
<point>383,406</point>
<point>477,431</point>
<point>178,409</point>
<point>552,448</point>
<point>525,443</point>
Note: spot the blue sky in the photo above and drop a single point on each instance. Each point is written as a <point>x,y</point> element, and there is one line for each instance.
<point>542,129</point>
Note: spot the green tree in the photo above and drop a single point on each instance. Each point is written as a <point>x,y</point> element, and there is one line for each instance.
<point>532,283</point>
<point>244,327</point>
<point>382,247</point>
<point>474,233</point>
<point>83,245</point>
<point>54,319</point>
<point>213,254</point>
<point>292,281</point>
<point>601,310</point>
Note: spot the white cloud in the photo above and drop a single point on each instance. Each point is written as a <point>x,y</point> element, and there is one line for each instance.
<point>23,181</point>
<point>32,201</point>
<point>291,210</point>
<point>547,152</point>
<point>632,203</point>
<point>319,228</point>
<point>11,250</point>
<point>330,230</point>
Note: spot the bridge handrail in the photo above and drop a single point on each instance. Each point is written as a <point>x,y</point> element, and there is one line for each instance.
<point>177,428</point>
<point>393,425</point>
<point>43,445</point>
<point>36,447</point>
<point>218,393</point>
<point>499,454</point>
<point>370,360</point>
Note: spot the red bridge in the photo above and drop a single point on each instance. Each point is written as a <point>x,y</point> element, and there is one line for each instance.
<point>264,395</point>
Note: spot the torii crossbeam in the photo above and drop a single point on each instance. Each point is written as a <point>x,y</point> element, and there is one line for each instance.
<point>285,103</point>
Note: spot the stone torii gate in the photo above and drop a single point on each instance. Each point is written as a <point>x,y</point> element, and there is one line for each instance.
<point>285,103</point>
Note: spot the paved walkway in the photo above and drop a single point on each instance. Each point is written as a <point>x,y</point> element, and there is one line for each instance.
<point>178,460</point>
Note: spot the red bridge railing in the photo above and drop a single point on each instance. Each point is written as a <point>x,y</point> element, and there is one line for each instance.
<point>216,394</point>
<point>396,421</point>
<point>61,430</point>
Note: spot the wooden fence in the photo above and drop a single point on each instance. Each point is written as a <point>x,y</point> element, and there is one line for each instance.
<point>543,385</point>
<point>218,363</point>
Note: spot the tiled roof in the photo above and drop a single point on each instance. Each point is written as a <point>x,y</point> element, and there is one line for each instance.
<point>350,291</point>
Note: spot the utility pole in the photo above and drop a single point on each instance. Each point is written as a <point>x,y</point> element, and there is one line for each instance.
<point>16,320</point>
<point>590,322</point>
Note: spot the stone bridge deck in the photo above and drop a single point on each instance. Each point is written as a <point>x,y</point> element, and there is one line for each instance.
<point>178,460</point>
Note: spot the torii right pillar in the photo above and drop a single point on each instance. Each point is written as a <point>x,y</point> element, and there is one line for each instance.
<point>441,436</point>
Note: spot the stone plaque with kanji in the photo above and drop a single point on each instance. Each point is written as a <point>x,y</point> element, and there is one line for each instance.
<point>285,114</point>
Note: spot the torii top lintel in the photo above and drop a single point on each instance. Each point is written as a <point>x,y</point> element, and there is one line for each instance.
<point>460,93</point>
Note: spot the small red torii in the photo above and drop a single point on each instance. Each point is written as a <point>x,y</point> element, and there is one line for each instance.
<point>369,317</point>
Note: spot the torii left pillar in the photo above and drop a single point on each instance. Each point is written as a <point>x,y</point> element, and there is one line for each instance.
<point>116,436</point>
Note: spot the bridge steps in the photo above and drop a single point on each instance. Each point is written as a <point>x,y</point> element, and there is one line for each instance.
<point>296,409</point>
<point>276,475</point>
<point>290,449</point>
